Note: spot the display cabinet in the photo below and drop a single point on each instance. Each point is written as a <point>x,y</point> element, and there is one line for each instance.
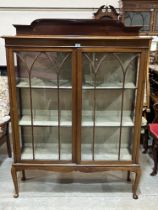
<point>141,12</point>
<point>76,90</point>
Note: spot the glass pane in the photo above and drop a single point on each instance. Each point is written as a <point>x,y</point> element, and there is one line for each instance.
<point>44,91</point>
<point>138,19</point>
<point>44,68</point>
<point>26,143</point>
<point>108,105</point>
<point>107,67</point>
<point>107,145</point>
<point>126,143</point>
<point>46,143</point>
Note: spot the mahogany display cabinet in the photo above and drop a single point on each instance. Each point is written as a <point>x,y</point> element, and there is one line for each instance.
<point>76,93</point>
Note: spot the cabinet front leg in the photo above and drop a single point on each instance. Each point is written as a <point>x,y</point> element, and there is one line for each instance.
<point>136,183</point>
<point>15,181</point>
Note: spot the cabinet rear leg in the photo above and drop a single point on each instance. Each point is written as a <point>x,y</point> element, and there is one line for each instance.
<point>8,146</point>
<point>15,181</point>
<point>128,176</point>
<point>136,182</point>
<point>23,178</point>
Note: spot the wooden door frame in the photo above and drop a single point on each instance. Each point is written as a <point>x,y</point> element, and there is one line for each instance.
<point>141,73</point>
<point>14,108</point>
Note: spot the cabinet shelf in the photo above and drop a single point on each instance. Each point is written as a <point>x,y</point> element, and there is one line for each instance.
<point>43,121</point>
<point>66,85</point>
<point>43,84</point>
<point>87,120</point>
<point>109,123</point>
<point>110,86</point>
<point>49,151</point>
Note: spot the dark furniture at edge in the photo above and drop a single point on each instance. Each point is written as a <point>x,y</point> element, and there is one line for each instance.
<point>142,13</point>
<point>4,136</point>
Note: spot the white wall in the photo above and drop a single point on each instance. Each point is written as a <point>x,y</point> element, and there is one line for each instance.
<point>57,3</point>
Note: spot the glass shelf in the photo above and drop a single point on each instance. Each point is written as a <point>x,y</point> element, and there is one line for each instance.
<point>51,119</point>
<point>108,123</point>
<point>66,85</point>
<point>39,83</point>
<point>110,86</point>
<point>46,118</point>
<point>40,121</point>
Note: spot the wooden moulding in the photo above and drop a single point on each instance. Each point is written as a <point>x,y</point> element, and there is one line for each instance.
<point>76,27</point>
<point>73,167</point>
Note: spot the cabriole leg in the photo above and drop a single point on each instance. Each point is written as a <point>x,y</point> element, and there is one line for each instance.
<point>15,181</point>
<point>136,183</point>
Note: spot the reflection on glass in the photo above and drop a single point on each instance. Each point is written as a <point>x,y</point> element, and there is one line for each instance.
<point>44,91</point>
<point>138,19</point>
<point>108,112</point>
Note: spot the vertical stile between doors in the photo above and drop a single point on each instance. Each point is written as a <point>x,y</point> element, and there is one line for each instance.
<point>74,107</point>
<point>79,103</point>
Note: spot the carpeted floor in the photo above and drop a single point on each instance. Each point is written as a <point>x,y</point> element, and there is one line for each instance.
<point>77,191</point>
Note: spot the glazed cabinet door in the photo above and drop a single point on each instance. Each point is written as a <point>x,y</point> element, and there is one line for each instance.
<point>108,89</point>
<point>45,99</point>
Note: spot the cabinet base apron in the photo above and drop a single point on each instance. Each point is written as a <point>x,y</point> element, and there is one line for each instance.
<point>135,168</point>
